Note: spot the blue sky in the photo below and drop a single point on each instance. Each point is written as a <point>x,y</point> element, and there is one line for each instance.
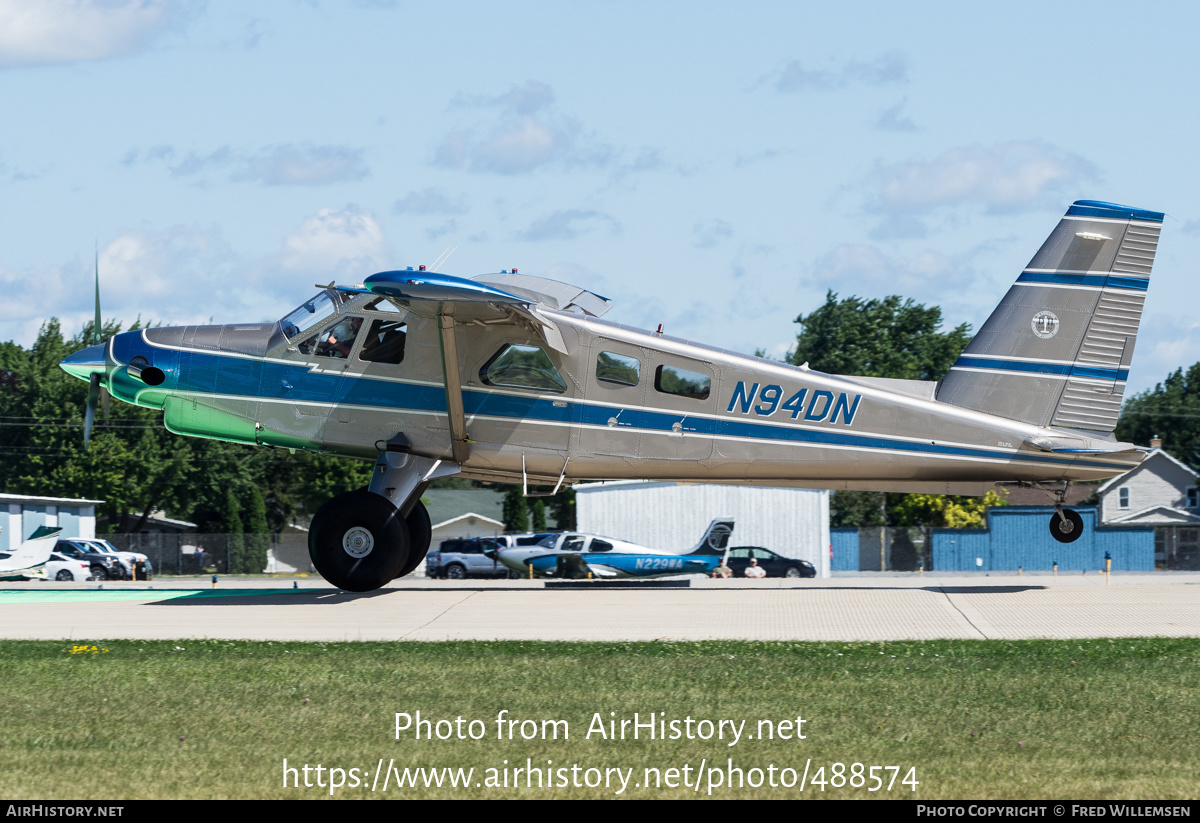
<point>709,167</point>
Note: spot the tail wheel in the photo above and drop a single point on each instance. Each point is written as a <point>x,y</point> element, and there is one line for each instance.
<point>358,541</point>
<point>420,533</point>
<point>1067,532</point>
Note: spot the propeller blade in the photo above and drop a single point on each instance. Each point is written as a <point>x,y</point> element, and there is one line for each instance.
<point>90,416</point>
<point>96,324</point>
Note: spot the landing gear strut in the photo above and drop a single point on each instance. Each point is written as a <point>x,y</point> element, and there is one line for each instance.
<point>1066,526</point>
<point>362,539</point>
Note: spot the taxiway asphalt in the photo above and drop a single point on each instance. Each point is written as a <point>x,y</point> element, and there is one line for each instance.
<point>859,608</point>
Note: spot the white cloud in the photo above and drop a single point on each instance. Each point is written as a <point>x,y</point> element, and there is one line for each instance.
<point>41,32</point>
<point>567,224</point>
<point>1008,177</point>
<point>289,165</point>
<point>529,133</point>
<point>707,235</point>
<point>284,164</point>
<point>894,119</point>
<point>346,243</point>
<point>862,267</point>
<point>890,68</point>
<point>429,201</point>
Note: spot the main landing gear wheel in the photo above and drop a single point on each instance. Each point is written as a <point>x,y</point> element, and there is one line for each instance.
<point>420,533</point>
<point>1069,531</point>
<point>358,541</point>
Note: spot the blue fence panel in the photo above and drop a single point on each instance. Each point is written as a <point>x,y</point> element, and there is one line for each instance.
<point>1019,536</point>
<point>845,550</point>
<point>955,550</point>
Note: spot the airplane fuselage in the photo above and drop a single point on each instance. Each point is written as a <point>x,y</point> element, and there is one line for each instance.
<point>621,403</point>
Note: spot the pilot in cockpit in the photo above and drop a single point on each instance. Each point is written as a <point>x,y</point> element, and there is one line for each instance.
<point>338,341</point>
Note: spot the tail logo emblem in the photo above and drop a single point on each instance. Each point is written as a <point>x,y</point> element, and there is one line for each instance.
<point>1045,324</point>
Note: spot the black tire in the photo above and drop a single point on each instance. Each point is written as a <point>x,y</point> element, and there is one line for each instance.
<point>64,575</point>
<point>793,571</point>
<point>513,575</point>
<point>454,571</point>
<point>366,524</point>
<point>420,533</point>
<point>1067,532</point>
<point>99,573</point>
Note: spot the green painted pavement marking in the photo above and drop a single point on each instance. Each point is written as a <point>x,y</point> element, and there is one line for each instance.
<point>127,595</point>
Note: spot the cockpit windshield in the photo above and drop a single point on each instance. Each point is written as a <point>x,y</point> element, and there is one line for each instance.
<point>308,315</point>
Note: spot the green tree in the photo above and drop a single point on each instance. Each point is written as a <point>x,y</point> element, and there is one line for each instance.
<point>562,509</point>
<point>1171,410</point>
<point>234,531</point>
<point>257,536</point>
<point>515,512</point>
<point>892,337</point>
<point>537,514</point>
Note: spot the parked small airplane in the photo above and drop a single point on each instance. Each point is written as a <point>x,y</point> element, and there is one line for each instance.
<point>512,378</point>
<point>30,558</point>
<point>574,555</point>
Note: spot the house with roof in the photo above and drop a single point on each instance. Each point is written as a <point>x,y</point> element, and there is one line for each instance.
<point>1161,492</point>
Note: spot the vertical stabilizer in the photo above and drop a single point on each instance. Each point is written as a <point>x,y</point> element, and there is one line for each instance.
<point>1057,350</point>
<point>716,537</point>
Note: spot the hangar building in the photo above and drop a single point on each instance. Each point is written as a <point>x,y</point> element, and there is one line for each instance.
<point>790,522</point>
<point>21,514</point>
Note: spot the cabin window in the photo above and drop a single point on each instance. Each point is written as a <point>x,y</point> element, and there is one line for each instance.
<point>574,543</point>
<point>1123,497</point>
<point>383,305</point>
<point>618,368</point>
<point>673,380</point>
<point>384,342</point>
<point>599,545</point>
<point>523,367</point>
<point>335,340</point>
<point>1193,499</point>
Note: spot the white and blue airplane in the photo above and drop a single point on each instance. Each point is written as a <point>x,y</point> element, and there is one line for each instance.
<point>576,555</point>
<point>517,379</point>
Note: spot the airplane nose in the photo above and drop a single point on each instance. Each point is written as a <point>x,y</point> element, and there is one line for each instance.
<point>84,363</point>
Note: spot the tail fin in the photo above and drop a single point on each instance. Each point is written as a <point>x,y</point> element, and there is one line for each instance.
<point>33,552</point>
<point>716,537</point>
<point>1056,351</point>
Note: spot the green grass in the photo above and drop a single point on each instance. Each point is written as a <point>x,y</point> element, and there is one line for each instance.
<point>1093,719</point>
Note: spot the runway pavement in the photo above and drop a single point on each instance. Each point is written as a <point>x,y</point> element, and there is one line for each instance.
<point>864,607</point>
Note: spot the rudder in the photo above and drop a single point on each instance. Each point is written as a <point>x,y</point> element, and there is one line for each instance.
<point>1057,350</point>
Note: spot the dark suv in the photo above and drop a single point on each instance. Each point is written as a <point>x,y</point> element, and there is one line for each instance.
<point>103,566</point>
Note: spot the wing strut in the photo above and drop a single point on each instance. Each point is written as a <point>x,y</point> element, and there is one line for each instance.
<point>454,401</point>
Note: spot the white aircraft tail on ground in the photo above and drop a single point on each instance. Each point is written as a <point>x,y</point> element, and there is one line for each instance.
<point>30,558</point>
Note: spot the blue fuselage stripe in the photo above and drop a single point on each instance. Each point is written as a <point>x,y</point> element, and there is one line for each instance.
<point>258,379</point>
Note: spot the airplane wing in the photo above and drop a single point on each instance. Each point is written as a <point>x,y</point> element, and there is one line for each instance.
<point>520,298</point>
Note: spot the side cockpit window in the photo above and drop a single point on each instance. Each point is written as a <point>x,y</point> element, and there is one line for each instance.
<point>384,342</point>
<point>335,340</point>
<point>523,367</point>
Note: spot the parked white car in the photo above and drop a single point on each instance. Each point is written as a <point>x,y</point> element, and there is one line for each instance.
<point>65,569</point>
